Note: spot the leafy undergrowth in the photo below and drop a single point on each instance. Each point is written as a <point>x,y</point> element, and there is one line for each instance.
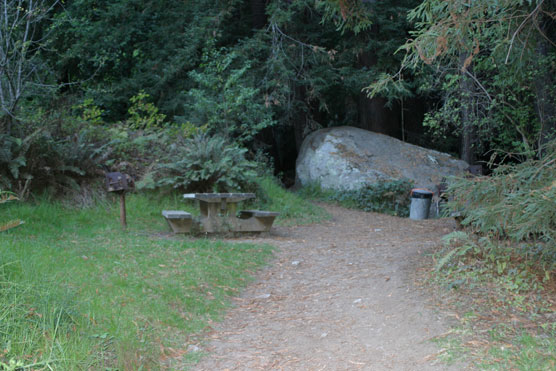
<point>385,197</point>
<point>504,296</point>
<point>501,272</point>
<point>77,292</point>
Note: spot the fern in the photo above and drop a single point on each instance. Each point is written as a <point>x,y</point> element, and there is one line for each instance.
<point>202,164</point>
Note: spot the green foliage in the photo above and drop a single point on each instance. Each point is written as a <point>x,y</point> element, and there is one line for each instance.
<point>226,98</point>
<point>53,150</point>
<point>311,56</point>
<point>517,201</point>
<point>346,15</point>
<point>203,163</point>
<point>12,158</point>
<point>49,161</point>
<point>492,65</point>
<point>22,73</point>
<point>388,197</point>
<point>517,270</point>
<point>90,112</point>
<point>142,114</point>
<point>117,48</point>
<point>509,267</point>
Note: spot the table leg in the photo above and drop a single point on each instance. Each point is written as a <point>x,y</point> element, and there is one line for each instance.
<point>232,209</point>
<point>219,216</point>
<point>204,208</point>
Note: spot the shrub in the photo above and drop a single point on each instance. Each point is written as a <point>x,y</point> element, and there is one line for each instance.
<point>43,158</point>
<point>203,163</point>
<point>143,114</point>
<point>388,197</point>
<point>226,98</point>
<point>517,201</point>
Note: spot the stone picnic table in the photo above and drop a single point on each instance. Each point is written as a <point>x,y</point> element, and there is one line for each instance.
<point>218,213</point>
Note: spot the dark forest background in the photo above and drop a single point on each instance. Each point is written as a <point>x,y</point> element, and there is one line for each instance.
<point>89,86</point>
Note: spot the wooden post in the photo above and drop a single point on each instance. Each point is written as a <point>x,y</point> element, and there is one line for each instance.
<point>123,220</point>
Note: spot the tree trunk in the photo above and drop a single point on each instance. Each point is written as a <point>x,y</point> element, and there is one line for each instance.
<point>468,137</point>
<point>258,10</point>
<point>375,116</point>
<point>300,119</point>
<point>545,100</point>
<point>373,113</point>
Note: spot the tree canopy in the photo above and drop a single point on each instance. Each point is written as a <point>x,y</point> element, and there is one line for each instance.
<point>464,77</point>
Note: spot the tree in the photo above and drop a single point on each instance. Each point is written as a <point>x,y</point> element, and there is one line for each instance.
<point>22,39</point>
<point>313,63</point>
<point>133,45</point>
<point>486,59</point>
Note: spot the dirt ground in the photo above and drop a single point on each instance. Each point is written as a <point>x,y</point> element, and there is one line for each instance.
<point>338,296</point>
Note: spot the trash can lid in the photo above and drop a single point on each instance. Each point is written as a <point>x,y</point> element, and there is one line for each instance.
<point>421,193</point>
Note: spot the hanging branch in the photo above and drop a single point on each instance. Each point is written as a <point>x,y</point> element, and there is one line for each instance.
<point>518,30</point>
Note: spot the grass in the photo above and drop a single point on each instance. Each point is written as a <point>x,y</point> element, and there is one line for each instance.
<point>504,297</point>
<point>77,292</point>
<point>293,208</point>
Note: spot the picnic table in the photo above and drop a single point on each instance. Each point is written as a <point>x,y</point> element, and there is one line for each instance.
<point>219,213</point>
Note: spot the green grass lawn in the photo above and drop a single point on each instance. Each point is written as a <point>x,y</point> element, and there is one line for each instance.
<point>77,292</point>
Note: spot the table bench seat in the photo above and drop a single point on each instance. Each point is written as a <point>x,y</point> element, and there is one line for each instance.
<point>244,214</point>
<point>180,221</point>
<point>256,220</point>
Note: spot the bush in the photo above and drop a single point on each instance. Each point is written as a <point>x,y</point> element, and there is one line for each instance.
<point>385,197</point>
<point>390,197</point>
<point>203,164</point>
<point>64,150</point>
<point>516,202</point>
<point>225,98</point>
<point>42,158</point>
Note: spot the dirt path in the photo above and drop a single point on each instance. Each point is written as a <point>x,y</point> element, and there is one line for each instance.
<point>338,296</point>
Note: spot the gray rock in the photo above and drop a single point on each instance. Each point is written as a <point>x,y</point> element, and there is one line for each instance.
<point>348,158</point>
<point>192,348</point>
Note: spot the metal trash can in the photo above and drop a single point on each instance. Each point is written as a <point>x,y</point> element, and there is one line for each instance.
<point>420,204</point>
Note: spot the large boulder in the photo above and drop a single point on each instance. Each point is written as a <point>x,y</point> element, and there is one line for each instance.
<point>348,158</point>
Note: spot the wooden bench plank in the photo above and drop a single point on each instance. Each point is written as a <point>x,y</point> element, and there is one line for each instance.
<point>257,213</point>
<point>180,221</point>
<point>176,214</point>
<point>256,220</point>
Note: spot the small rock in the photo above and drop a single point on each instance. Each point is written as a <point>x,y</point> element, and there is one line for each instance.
<point>357,301</point>
<point>193,348</point>
<point>323,335</point>
<point>295,262</point>
<point>378,229</point>
<point>263,296</point>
